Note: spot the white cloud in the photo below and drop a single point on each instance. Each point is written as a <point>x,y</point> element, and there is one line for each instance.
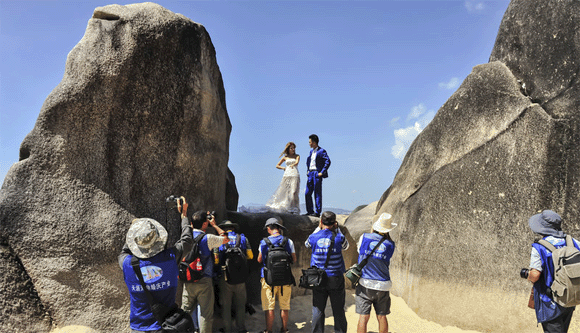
<point>416,112</point>
<point>404,137</point>
<point>426,119</point>
<point>452,84</point>
<point>395,121</point>
<point>474,6</point>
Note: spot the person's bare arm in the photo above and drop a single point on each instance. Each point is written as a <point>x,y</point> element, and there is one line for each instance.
<point>279,165</point>
<point>534,275</point>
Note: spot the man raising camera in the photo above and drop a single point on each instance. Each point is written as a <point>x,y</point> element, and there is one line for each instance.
<point>147,241</point>
<point>201,291</point>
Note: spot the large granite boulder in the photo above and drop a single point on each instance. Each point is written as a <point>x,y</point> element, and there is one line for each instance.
<point>139,115</point>
<point>504,146</point>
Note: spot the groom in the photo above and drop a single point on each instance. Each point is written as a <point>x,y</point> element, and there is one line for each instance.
<point>317,164</point>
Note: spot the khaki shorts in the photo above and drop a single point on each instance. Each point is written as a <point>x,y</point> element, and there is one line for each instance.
<point>269,300</point>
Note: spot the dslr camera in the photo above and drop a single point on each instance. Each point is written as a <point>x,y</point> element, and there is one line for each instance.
<point>524,273</point>
<point>172,200</point>
<point>210,215</point>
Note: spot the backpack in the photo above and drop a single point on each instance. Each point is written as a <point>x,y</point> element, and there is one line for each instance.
<point>565,288</point>
<point>236,264</point>
<point>277,271</point>
<point>191,268</point>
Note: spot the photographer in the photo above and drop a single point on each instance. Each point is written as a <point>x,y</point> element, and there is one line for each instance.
<point>553,317</point>
<point>375,283</point>
<point>201,291</point>
<point>319,242</point>
<point>147,240</point>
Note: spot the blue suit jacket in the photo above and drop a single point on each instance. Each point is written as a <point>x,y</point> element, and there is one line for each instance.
<point>322,162</point>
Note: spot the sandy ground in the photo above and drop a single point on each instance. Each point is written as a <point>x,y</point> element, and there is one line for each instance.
<point>401,320</point>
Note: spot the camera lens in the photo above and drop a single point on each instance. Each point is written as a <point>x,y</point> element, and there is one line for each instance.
<point>524,273</point>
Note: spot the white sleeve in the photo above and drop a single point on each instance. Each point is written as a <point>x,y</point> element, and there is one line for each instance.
<point>292,248</point>
<point>214,241</point>
<point>345,244</point>
<point>307,243</point>
<point>535,260</point>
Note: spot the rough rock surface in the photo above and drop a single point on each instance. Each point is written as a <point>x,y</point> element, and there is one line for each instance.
<point>139,114</point>
<point>361,220</point>
<point>232,195</point>
<point>504,146</point>
<point>298,229</point>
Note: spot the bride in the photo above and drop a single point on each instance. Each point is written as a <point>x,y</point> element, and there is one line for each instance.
<point>285,199</point>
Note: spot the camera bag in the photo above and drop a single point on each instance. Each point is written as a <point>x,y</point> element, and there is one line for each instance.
<point>565,288</point>
<point>314,277</point>
<point>173,319</point>
<point>277,270</point>
<point>354,273</point>
<point>236,264</point>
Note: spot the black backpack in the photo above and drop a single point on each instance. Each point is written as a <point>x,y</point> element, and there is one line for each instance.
<point>278,271</point>
<point>236,264</point>
<point>191,268</point>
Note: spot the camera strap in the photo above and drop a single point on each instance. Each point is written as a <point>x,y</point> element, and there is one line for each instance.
<point>148,294</point>
<point>366,259</point>
<point>330,249</point>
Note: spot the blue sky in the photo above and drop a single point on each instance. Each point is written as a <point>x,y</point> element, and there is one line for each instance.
<point>366,76</point>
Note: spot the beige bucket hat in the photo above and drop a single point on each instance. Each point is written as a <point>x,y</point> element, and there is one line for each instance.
<point>146,237</point>
<point>384,224</point>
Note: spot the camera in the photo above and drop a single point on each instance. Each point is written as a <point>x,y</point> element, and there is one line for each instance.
<point>172,200</point>
<point>524,273</point>
<point>210,215</point>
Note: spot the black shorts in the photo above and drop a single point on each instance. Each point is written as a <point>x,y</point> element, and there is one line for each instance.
<point>365,298</point>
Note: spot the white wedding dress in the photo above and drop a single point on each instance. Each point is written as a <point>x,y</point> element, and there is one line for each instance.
<point>286,198</point>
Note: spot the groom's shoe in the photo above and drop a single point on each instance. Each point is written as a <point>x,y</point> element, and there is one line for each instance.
<point>314,214</point>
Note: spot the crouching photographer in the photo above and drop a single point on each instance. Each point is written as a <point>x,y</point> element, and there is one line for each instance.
<point>554,264</point>
<point>150,271</point>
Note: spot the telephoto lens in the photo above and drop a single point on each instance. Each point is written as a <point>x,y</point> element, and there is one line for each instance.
<point>524,273</point>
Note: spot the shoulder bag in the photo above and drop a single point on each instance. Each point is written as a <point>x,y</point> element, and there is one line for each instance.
<point>314,277</point>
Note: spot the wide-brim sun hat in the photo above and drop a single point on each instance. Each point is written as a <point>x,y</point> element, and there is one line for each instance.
<point>272,221</point>
<point>384,224</point>
<point>227,224</point>
<point>146,238</point>
<point>547,223</point>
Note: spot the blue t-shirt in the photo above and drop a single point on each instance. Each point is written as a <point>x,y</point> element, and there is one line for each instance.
<point>160,276</point>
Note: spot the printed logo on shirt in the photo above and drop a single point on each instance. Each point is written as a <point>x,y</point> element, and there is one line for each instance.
<point>151,273</point>
<point>381,248</point>
<point>323,243</point>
